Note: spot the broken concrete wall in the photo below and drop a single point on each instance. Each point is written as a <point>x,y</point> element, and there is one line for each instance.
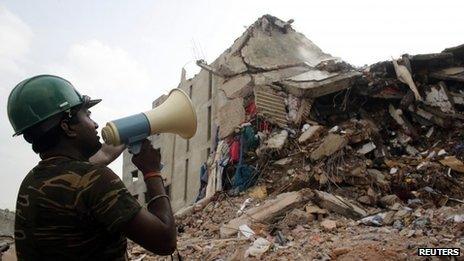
<point>271,53</point>
<point>6,222</point>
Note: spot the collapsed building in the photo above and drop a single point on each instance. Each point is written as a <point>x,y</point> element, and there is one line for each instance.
<point>270,57</point>
<point>308,138</point>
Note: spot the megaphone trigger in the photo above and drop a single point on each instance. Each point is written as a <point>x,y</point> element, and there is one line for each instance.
<point>134,148</point>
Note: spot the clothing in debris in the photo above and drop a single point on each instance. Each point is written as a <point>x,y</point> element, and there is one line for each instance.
<point>243,177</point>
<point>203,181</point>
<point>250,140</point>
<point>235,151</point>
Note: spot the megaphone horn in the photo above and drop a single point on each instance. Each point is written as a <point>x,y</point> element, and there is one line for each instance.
<point>175,115</point>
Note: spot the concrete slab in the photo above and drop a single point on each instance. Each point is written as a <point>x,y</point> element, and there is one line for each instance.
<point>274,49</point>
<point>339,205</point>
<point>266,211</point>
<point>310,134</point>
<point>331,144</point>
<point>312,75</point>
<point>7,222</point>
<point>450,74</point>
<point>232,65</point>
<point>231,115</point>
<point>270,77</point>
<point>322,87</point>
<point>457,51</point>
<point>437,96</point>
<point>239,86</point>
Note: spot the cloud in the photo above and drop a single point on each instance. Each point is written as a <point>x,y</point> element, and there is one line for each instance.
<point>16,41</point>
<point>110,73</point>
<point>17,157</point>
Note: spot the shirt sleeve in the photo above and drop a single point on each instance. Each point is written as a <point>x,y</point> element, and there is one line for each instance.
<point>108,199</point>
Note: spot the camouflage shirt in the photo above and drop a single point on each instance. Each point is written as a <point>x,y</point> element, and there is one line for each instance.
<point>72,210</point>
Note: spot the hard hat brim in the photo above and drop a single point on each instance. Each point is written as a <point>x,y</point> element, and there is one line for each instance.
<point>92,103</point>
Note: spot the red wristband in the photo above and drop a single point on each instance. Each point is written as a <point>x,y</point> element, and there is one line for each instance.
<point>151,175</point>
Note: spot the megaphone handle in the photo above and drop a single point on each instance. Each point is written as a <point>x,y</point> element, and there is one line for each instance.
<point>134,148</point>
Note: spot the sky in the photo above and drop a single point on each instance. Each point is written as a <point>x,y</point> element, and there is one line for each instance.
<point>129,52</point>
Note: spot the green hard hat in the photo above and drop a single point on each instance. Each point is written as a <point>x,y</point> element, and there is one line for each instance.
<point>36,99</point>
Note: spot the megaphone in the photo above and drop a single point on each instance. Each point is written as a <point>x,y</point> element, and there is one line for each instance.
<point>175,115</point>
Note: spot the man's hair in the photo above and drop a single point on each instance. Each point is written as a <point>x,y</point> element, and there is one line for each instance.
<point>45,138</point>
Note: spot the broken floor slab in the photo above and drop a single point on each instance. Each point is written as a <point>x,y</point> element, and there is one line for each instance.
<point>331,144</point>
<point>397,115</point>
<point>339,205</point>
<point>449,74</point>
<point>457,51</point>
<point>311,134</point>
<point>316,88</point>
<point>239,86</point>
<point>437,96</point>
<point>275,142</point>
<point>458,98</point>
<point>231,115</point>
<point>444,123</point>
<point>269,48</point>
<point>269,77</point>
<point>267,210</point>
<point>312,75</point>
<point>432,60</point>
<point>232,65</point>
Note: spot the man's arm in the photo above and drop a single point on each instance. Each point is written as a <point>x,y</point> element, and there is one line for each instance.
<point>155,228</point>
<point>107,154</point>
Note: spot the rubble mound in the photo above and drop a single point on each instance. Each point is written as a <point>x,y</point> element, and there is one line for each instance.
<point>329,161</point>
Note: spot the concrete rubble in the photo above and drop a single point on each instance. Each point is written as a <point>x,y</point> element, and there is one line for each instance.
<point>6,235</point>
<point>338,162</point>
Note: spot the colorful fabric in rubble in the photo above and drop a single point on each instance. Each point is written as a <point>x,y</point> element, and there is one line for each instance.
<point>203,181</point>
<point>235,151</point>
<point>243,177</point>
<point>251,142</point>
<point>221,159</point>
<point>265,126</point>
<point>251,109</point>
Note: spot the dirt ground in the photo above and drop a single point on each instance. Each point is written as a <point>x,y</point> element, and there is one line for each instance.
<point>199,237</point>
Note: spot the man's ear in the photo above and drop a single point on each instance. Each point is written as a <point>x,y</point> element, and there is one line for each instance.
<point>67,129</point>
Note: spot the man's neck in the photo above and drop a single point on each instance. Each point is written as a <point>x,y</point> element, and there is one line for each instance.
<point>64,150</point>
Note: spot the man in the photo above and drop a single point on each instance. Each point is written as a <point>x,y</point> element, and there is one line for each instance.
<point>71,206</point>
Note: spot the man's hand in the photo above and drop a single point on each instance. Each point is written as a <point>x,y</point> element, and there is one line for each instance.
<point>107,154</point>
<point>148,159</point>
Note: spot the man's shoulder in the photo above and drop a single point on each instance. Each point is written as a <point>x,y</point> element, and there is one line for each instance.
<point>74,174</point>
<point>74,166</point>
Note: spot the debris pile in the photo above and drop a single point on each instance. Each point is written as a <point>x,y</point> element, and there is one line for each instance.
<point>6,232</point>
<point>318,159</point>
